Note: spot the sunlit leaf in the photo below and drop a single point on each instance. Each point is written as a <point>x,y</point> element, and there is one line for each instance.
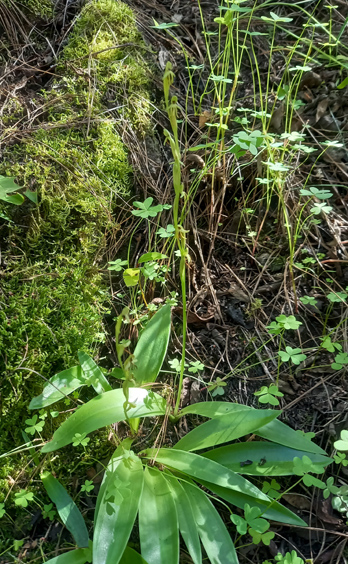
<point>268,459</point>
<point>59,387</point>
<point>118,505</point>
<point>226,428</point>
<point>211,528</point>
<point>106,409</point>
<point>152,345</point>
<point>92,373</point>
<point>158,521</point>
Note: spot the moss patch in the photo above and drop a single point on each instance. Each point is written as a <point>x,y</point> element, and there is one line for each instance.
<point>53,295</point>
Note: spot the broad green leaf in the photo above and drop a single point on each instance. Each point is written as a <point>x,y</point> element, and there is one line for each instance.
<point>275,431</point>
<point>271,509</point>
<point>152,346</point>
<point>103,410</point>
<point>116,459</point>
<point>130,556</point>
<point>151,256</point>
<point>117,507</point>
<point>79,556</point>
<point>92,373</point>
<point>211,528</point>
<point>8,186</point>
<point>280,433</point>
<point>67,509</point>
<point>213,408</point>
<point>201,468</point>
<point>268,459</point>
<point>226,428</point>
<point>343,84</point>
<point>131,277</point>
<point>158,520</point>
<point>31,195</point>
<point>59,387</point>
<point>187,525</point>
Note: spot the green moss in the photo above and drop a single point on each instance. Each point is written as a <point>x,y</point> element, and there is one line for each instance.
<point>118,77</point>
<point>43,8</point>
<point>53,297</point>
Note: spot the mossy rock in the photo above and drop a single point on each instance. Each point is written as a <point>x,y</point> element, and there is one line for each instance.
<point>53,294</point>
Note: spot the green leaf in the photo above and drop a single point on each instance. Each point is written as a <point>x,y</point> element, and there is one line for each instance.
<point>187,525</point>
<point>201,468</point>
<point>117,507</point>
<point>103,410</point>
<point>23,497</point>
<point>79,556</point>
<point>275,431</point>
<point>271,509</point>
<point>166,232</point>
<point>7,186</point>
<point>241,524</point>
<point>343,84</point>
<point>151,256</point>
<point>67,509</point>
<point>59,387</point>
<point>34,426</point>
<point>146,209</point>
<point>264,537</point>
<point>92,373</point>
<point>278,432</point>
<point>295,355</point>
<point>211,529</point>
<point>130,556</point>
<point>163,25</point>
<point>117,265</point>
<point>152,346</point>
<point>158,520</point>
<point>131,277</point>
<point>342,444</point>
<point>31,195</point>
<point>226,428</point>
<point>268,459</point>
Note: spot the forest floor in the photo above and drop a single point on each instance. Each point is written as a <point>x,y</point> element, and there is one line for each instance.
<point>258,251</point>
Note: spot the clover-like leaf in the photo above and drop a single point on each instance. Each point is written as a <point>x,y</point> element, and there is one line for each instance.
<point>264,537</point>
<point>241,524</point>
<point>288,322</point>
<point>320,194</point>
<point>48,512</point>
<point>341,360</point>
<point>195,366</point>
<point>80,439</point>
<point>216,388</point>
<point>117,265</point>
<point>23,497</point>
<point>330,488</point>
<point>88,486</point>
<point>337,297</point>
<point>342,443</point>
<point>319,208</point>
<point>295,355</point>
<point>329,345</point>
<point>271,489</point>
<point>166,232</point>
<point>269,394</point>
<point>308,300</point>
<point>146,209</point>
<point>34,425</point>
